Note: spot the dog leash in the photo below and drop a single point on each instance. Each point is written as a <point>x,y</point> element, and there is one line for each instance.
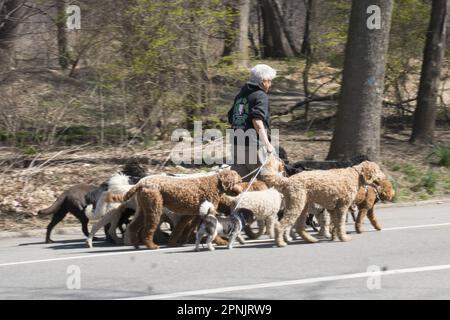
<point>248,175</point>
<point>250,183</point>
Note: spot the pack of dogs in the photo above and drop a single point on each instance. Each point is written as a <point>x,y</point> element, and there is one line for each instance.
<point>137,209</point>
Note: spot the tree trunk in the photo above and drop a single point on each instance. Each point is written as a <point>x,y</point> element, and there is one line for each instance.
<point>284,27</point>
<point>272,36</point>
<point>357,129</point>
<point>11,14</point>
<point>63,52</point>
<point>425,113</point>
<point>306,44</point>
<point>230,43</point>
<point>243,33</point>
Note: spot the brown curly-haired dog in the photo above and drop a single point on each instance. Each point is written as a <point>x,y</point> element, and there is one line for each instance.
<point>366,199</point>
<point>180,195</point>
<point>192,224</point>
<point>335,190</point>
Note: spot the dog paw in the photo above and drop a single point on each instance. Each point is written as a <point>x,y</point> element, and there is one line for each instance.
<point>358,228</point>
<point>153,247</point>
<point>325,235</point>
<point>345,238</point>
<point>281,244</point>
<point>89,244</point>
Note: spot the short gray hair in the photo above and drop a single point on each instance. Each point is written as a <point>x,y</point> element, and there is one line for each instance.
<point>262,72</point>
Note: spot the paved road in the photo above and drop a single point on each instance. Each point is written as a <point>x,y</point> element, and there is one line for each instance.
<point>413,252</point>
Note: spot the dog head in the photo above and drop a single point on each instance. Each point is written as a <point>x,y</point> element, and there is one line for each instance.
<point>134,170</point>
<point>273,166</point>
<point>385,190</point>
<point>228,179</point>
<point>370,172</point>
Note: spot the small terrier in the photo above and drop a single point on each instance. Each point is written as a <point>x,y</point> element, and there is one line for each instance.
<point>214,224</point>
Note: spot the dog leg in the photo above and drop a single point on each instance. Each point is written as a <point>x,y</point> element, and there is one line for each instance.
<point>270,227</point>
<point>360,219</point>
<point>151,204</point>
<point>341,232</point>
<point>241,239</point>
<point>209,241</point>
<point>132,232</point>
<point>373,219</point>
<point>115,217</point>
<point>232,240</point>
<point>103,221</point>
<point>289,234</point>
<point>189,230</point>
<point>334,223</point>
<point>280,229</point>
<point>57,218</point>
<point>302,227</point>
<point>353,215</point>
<point>264,227</point>
<point>179,228</point>
<point>198,238</point>
<point>324,219</point>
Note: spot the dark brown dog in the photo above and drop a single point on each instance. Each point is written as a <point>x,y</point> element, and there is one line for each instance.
<point>73,201</point>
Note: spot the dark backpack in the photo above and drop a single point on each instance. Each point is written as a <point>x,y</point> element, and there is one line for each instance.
<point>239,113</point>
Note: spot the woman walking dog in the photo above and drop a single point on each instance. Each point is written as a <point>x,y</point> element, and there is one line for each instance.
<point>250,119</point>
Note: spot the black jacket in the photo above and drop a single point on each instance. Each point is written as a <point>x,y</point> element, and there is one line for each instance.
<point>259,108</point>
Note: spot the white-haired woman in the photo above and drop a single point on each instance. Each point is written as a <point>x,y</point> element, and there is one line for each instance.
<point>250,119</point>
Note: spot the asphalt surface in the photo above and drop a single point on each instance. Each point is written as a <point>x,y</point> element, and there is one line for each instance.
<point>412,253</point>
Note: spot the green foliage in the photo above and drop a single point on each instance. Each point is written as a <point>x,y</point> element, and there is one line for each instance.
<point>330,35</point>
<point>447,186</point>
<point>29,150</point>
<point>429,182</point>
<point>411,172</point>
<point>396,187</point>
<point>407,39</point>
<point>441,155</point>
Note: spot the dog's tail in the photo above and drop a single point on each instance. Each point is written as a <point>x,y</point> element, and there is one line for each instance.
<point>54,207</point>
<point>207,208</point>
<point>115,197</point>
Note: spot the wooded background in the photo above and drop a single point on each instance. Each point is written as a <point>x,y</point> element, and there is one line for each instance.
<point>138,69</point>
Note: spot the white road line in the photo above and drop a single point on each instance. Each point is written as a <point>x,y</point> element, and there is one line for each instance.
<point>90,256</point>
<point>418,226</point>
<point>289,283</point>
<point>188,248</point>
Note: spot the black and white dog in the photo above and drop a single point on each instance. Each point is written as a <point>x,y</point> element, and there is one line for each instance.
<point>214,224</point>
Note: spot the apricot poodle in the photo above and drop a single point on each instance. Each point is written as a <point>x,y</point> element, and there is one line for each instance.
<point>335,190</point>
